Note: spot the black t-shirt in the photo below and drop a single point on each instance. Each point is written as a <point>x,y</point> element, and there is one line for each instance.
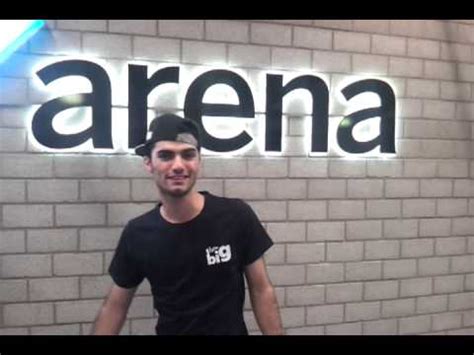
<point>195,269</point>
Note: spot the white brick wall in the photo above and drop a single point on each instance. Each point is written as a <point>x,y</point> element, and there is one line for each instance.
<point>362,246</point>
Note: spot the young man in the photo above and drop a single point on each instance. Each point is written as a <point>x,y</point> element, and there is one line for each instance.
<point>193,248</point>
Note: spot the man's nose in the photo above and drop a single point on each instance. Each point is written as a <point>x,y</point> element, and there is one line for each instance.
<point>177,163</point>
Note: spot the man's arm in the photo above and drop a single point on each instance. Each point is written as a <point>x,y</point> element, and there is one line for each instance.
<point>113,312</point>
<point>263,298</point>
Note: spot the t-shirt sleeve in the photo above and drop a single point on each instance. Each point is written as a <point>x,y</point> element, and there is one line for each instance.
<point>123,269</point>
<point>256,239</point>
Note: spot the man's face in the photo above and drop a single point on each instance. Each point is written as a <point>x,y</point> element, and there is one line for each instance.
<point>174,166</point>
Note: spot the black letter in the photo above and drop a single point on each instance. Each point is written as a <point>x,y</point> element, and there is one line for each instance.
<point>99,100</point>
<point>275,92</point>
<point>139,88</point>
<point>194,108</point>
<point>386,111</point>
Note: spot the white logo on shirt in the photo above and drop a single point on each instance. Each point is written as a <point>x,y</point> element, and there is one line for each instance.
<point>217,255</point>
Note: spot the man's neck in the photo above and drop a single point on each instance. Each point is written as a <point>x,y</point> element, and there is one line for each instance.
<point>181,209</point>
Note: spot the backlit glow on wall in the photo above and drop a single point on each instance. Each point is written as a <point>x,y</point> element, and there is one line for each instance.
<point>15,33</point>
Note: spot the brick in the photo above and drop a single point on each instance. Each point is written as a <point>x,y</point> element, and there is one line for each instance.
<point>398,308</point>
<point>181,28</point>
<point>455,91</point>
<point>401,228</point>
<point>463,263</point>
<point>248,189</point>
<point>14,291</point>
<point>416,287</point>
<point>460,301</point>
<point>25,265</point>
<point>119,214</point>
<point>312,38</point>
<point>382,249</point>
<point>367,270</point>
<point>468,318</point>
<point>276,255</point>
<point>143,326</point>
<point>12,241</point>
<point>162,49</point>
<point>14,331</point>
<point>344,329</point>
<point>347,168</point>
<point>450,246</point>
<point>82,25</point>
<point>380,290</point>
<point>363,230</point>
<point>346,292</point>
<point>351,42</point>
<point>51,240</point>
<point>80,214</point>
<point>327,314</point>
<point>327,188</point>
<point>58,288</point>
<point>13,139</point>
<point>465,72</point>
<point>286,189</point>
<point>267,168</point>
<point>203,52</point>
<point>27,216</point>
<point>448,284</point>
<point>463,188</point>
<point>123,167</point>
<point>456,52</point>
<point>453,168</point>
<point>414,325</point>
<point>337,24</point>
<point>371,26</point>
<point>15,117</point>
<point>325,231</point>
<point>462,226</point>
<point>227,31</point>
<point>287,58</point>
<point>439,70</point>
<point>27,314</point>
<point>105,190</point>
<point>423,48</point>
<point>214,186</point>
<point>469,282</point>
<point>68,329</point>
<point>52,190</point>
<point>145,189</point>
<point>417,168</point>
<point>77,311</point>
<point>270,34</point>
<point>433,266</point>
<point>285,275</point>
<point>13,91</point>
<point>452,207</point>
<point>384,209</point>
<point>435,227</point>
<point>145,27</point>
<point>249,56</point>
<point>362,311</point>
<point>286,232</point>
<point>384,168</point>
<point>79,166</point>
<point>56,42</point>
<point>306,168</point>
<point>307,210</point>
<point>107,45</point>
<point>436,188</point>
<point>418,208</point>
<point>432,304</point>
<point>417,247</point>
<point>346,251</point>
<point>305,331</point>
<point>347,209</point>
<point>399,268</point>
<point>327,61</point>
<point>443,110</point>
<point>402,188</point>
<point>223,168</point>
<point>269,210</point>
<point>67,264</point>
<point>405,67</point>
<point>422,88</point>
<point>99,238</point>
<point>304,295</point>
<point>305,253</point>
<point>325,273</point>
<point>389,45</point>
<point>25,166</point>
<point>380,327</point>
<point>444,321</point>
<point>95,286</point>
<point>364,188</point>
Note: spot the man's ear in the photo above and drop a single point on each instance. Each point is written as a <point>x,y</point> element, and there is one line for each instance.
<point>147,162</point>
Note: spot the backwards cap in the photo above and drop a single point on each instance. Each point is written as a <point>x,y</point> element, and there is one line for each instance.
<point>170,127</point>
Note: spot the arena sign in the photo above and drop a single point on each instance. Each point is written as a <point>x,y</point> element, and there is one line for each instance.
<point>141,84</point>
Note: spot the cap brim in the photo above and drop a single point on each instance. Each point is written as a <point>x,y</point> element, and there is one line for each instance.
<point>142,149</point>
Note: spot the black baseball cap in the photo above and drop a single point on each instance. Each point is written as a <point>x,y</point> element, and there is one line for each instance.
<point>170,127</point>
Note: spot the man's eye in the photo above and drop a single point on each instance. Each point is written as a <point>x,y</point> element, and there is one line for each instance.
<point>165,155</point>
<point>189,155</point>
